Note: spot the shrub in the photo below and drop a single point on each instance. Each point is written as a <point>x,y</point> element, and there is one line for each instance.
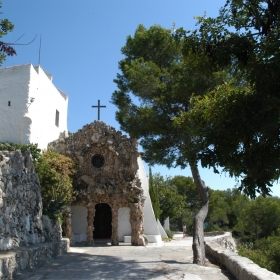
<point>212,227</point>
<point>34,150</point>
<point>265,252</point>
<point>55,172</point>
<point>169,233</point>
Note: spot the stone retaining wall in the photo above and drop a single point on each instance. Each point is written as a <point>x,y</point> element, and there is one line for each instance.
<point>21,219</point>
<point>14,261</point>
<point>242,268</point>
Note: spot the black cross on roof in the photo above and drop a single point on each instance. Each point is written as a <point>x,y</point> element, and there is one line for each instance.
<point>98,106</point>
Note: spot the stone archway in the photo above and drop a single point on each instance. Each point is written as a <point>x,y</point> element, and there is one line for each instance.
<point>102,221</point>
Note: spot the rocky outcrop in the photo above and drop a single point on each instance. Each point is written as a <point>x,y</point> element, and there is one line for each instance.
<point>107,173</point>
<point>21,220</point>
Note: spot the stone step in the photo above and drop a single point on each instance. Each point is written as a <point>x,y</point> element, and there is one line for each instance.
<point>20,259</point>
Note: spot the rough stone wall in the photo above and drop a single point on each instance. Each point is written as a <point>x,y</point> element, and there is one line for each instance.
<point>115,183</point>
<point>21,220</point>
<point>241,267</point>
<point>226,240</point>
<point>18,260</point>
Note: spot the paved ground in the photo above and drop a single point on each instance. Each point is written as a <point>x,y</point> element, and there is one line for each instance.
<point>172,261</point>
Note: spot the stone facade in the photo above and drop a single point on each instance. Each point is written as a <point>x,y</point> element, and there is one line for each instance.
<point>21,220</point>
<point>107,173</point>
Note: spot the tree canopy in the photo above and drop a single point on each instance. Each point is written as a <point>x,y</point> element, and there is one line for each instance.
<point>185,186</point>
<point>5,49</point>
<point>260,218</point>
<point>239,119</point>
<point>156,72</point>
<point>171,203</point>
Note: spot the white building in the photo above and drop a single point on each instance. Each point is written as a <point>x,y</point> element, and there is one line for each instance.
<point>32,109</point>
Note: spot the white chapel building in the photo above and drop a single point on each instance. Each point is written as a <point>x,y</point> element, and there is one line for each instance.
<point>32,109</point>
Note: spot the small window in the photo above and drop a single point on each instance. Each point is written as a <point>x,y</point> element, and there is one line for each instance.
<point>57,118</point>
<point>9,103</point>
<point>97,161</point>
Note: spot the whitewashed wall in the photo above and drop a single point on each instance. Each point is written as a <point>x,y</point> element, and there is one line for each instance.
<point>14,88</point>
<point>151,227</point>
<point>124,226</point>
<point>150,224</point>
<point>79,223</point>
<point>23,122</point>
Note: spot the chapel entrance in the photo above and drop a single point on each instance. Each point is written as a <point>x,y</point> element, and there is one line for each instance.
<point>102,221</point>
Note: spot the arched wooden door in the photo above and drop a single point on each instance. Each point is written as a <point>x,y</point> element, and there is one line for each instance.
<point>102,221</point>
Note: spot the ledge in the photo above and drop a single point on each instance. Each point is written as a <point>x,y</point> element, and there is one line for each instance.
<point>14,261</point>
<point>154,239</point>
<point>241,267</point>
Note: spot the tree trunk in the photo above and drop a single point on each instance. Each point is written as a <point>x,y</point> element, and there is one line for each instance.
<point>198,231</point>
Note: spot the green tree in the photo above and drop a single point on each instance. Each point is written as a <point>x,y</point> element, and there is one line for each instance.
<point>162,77</point>
<point>5,48</point>
<point>260,218</point>
<point>153,191</point>
<point>219,209</point>
<point>185,186</point>
<point>171,203</point>
<point>55,173</point>
<point>224,209</point>
<point>239,120</point>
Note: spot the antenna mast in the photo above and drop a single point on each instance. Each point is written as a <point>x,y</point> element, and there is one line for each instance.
<point>40,51</point>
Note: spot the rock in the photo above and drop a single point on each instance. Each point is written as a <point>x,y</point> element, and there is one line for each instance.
<point>21,220</point>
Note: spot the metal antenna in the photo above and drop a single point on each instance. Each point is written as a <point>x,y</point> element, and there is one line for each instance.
<point>40,51</point>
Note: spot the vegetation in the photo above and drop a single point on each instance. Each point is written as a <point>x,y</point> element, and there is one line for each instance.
<point>264,252</point>
<point>163,78</point>
<point>55,172</point>
<point>259,218</point>
<point>211,95</point>
<point>169,233</point>
<point>255,224</point>
<point>185,187</point>
<point>34,150</point>
<point>239,119</point>
<point>5,49</point>
<point>225,208</point>
<point>170,201</point>
<point>153,191</point>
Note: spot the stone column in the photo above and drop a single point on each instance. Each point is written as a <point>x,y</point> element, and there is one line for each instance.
<point>115,235</point>
<point>90,227</point>
<point>68,227</point>
<point>137,225</point>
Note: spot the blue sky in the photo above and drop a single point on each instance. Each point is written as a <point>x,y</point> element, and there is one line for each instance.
<point>81,42</point>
